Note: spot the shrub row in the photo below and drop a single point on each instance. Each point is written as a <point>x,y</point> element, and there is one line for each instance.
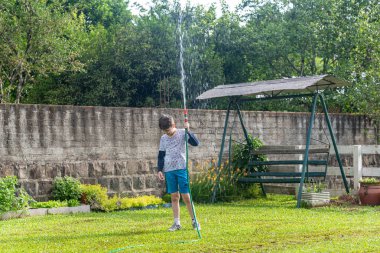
<point>96,196</point>
<point>68,191</point>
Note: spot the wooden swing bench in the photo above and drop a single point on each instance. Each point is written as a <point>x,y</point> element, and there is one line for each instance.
<point>285,177</point>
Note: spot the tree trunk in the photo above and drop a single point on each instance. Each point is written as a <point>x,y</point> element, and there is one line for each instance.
<point>1,90</point>
<point>20,85</point>
<point>1,87</point>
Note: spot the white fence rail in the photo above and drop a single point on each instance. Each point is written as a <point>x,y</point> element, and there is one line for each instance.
<point>357,170</point>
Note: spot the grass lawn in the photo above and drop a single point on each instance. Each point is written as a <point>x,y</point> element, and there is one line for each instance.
<point>263,225</point>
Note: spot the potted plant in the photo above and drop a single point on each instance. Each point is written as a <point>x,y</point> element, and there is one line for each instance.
<point>369,191</point>
<point>314,194</point>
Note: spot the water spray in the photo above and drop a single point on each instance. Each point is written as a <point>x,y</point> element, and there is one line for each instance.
<point>186,121</point>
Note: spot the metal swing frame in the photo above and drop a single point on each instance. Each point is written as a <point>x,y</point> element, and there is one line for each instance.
<point>234,101</point>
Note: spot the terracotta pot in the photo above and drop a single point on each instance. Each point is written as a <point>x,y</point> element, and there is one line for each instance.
<point>369,194</point>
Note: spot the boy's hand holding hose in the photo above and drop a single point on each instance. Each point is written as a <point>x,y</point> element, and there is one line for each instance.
<point>161,176</point>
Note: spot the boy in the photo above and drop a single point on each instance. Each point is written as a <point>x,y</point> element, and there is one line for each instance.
<point>172,162</point>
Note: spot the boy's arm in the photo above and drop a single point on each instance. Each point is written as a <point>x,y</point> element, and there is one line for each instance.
<point>161,160</point>
<point>193,141</point>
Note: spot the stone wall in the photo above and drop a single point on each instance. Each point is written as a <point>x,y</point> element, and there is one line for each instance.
<point>117,147</point>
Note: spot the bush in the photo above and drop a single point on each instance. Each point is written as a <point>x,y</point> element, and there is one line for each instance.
<point>11,197</point>
<point>241,155</point>
<point>370,180</point>
<point>66,188</point>
<point>116,203</point>
<point>73,202</point>
<point>49,204</point>
<point>228,189</point>
<point>111,204</point>
<point>167,198</point>
<point>94,195</point>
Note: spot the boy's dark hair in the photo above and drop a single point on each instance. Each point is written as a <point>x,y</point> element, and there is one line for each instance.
<point>165,122</point>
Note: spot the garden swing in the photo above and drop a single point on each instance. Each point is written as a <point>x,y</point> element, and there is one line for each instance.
<point>282,89</point>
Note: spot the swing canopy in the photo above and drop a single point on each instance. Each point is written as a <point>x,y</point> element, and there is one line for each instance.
<point>275,87</point>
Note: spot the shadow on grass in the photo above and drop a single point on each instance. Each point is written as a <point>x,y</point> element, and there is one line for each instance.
<point>271,201</point>
<point>65,238</point>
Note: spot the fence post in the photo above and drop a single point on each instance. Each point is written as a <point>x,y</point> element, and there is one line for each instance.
<point>358,165</point>
<point>299,157</point>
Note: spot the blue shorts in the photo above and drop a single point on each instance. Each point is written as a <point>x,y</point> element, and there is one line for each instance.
<point>177,179</point>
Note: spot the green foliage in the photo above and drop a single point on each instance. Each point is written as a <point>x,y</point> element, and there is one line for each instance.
<point>49,204</point>
<point>97,53</point>
<point>369,180</point>
<point>116,203</point>
<point>96,196</point>
<point>203,184</point>
<point>73,202</point>
<point>142,201</point>
<point>110,204</point>
<point>167,198</point>
<point>12,198</point>
<point>66,188</point>
<point>38,38</point>
<point>316,187</point>
<point>242,154</point>
<point>93,195</point>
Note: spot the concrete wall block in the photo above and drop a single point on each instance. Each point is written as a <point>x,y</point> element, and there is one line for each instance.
<point>121,168</point>
<point>20,171</point>
<point>89,181</point>
<point>80,170</point>
<point>6,170</point>
<point>107,168</point>
<point>45,187</point>
<point>145,167</point>
<point>105,182</point>
<point>151,181</point>
<point>94,169</point>
<point>30,187</point>
<point>371,160</point>
<point>114,184</point>
<point>347,160</point>
<point>126,184</point>
<point>52,170</point>
<point>138,183</point>
<point>133,166</point>
<point>35,171</point>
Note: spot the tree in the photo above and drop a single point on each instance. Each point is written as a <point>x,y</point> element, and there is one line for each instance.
<point>36,39</point>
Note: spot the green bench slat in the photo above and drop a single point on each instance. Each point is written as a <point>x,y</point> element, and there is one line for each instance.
<point>280,149</point>
<point>287,162</point>
<point>268,180</point>
<point>286,174</point>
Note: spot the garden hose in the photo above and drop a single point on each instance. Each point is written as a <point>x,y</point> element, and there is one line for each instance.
<point>188,175</point>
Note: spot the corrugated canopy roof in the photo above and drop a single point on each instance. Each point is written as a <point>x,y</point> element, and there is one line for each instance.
<point>275,87</point>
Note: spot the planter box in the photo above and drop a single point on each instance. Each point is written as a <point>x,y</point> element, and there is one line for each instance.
<point>14,214</point>
<point>316,198</point>
<point>45,211</point>
<point>68,210</point>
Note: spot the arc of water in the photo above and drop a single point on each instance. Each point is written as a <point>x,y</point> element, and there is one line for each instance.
<point>182,80</point>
